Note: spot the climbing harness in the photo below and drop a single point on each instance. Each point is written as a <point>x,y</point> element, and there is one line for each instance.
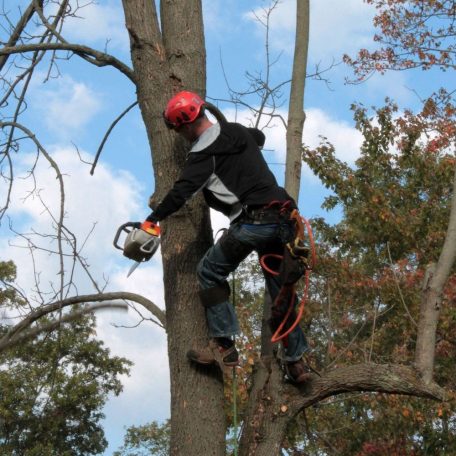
<point>294,264</point>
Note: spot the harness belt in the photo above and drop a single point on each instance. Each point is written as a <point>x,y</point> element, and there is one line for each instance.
<point>273,212</point>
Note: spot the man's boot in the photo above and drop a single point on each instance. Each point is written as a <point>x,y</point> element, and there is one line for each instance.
<point>215,353</point>
<point>298,371</point>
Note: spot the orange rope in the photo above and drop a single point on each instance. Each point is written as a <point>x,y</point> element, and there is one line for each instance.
<point>277,336</point>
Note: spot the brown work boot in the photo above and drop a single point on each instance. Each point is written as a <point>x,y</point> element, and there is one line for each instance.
<point>215,354</point>
<point>298,371</point>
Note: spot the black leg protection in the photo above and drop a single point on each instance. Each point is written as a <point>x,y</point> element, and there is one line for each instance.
<point>215,295</point>
<point>234,250</point>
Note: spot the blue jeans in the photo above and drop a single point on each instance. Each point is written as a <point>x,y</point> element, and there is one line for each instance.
<point>215,267</point>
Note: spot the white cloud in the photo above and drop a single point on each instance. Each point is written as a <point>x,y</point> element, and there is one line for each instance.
<point>66,106</point>
<point>339,27</point>
<point>345,138</point>
<point>99,203</point>
<point>336,27</point>
<point>98,23</point>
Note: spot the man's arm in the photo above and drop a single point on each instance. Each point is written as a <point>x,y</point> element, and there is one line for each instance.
<point>196,173</point>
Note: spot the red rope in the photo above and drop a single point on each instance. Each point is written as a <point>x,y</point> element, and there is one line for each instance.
<point>277,336</point>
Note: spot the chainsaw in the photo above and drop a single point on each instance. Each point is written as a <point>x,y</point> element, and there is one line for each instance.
<point>141,242</point>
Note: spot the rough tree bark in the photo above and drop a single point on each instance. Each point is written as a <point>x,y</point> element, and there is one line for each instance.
<point>274,404</point>
<point>164,62</point>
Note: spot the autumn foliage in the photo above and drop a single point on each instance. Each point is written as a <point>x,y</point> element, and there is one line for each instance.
<point>395,204</point>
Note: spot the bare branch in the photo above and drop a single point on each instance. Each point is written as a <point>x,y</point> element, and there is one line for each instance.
<point>100,148</point>
<point>17,31</point>
<point>53,325</point>
<point>296,115</point>
<point>95,57</point>
<point>24,324</point>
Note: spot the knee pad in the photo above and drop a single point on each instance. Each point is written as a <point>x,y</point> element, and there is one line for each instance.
<point>215,295</point>
<point>234,250</point>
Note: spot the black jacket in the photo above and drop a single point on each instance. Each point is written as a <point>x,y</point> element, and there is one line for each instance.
<point>228,166</point>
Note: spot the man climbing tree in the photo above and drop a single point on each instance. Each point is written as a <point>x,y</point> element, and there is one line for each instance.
<point>225,161</point>
<point>168,55</point>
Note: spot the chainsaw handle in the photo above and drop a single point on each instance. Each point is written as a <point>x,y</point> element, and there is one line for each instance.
<point>124,228</point>
<point>151,246</point>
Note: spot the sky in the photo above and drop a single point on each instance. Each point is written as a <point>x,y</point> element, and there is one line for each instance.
<point>70,114</point>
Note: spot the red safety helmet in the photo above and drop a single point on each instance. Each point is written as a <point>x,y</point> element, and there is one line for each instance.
<point>183,108</point>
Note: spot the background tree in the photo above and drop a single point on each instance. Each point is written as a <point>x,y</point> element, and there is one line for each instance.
<point>420,34</point>
<point>396,203</point>
<point>54,387</point>
<point>149,439</point>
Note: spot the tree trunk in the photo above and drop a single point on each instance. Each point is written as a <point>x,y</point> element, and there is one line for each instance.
<point>165,62</point>
<point>436,278</point>
<point>296,116</point>
<point>267,414</point>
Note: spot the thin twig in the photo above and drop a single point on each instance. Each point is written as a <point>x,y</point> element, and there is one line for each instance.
<point>396,280</point>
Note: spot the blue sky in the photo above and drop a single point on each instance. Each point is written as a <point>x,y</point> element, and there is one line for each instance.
<point>77,107</point>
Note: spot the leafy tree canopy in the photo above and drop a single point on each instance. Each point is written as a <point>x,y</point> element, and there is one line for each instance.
<point>53,388</point>
<point>365,303</point>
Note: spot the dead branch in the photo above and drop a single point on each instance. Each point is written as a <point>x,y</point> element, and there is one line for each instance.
<point>53,325</point>
<point>95,57</point>
<point>24,20</point>
<point>296,115</point>
<point>44,310</point>
<point>114,123</point>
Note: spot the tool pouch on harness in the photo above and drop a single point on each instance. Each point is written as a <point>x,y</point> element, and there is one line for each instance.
<point>294,262</point>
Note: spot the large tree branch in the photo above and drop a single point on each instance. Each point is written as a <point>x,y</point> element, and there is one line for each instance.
<point>22,330</point>
<point>380,378</point>
<point>95,57</point>
<point>273,404</point>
